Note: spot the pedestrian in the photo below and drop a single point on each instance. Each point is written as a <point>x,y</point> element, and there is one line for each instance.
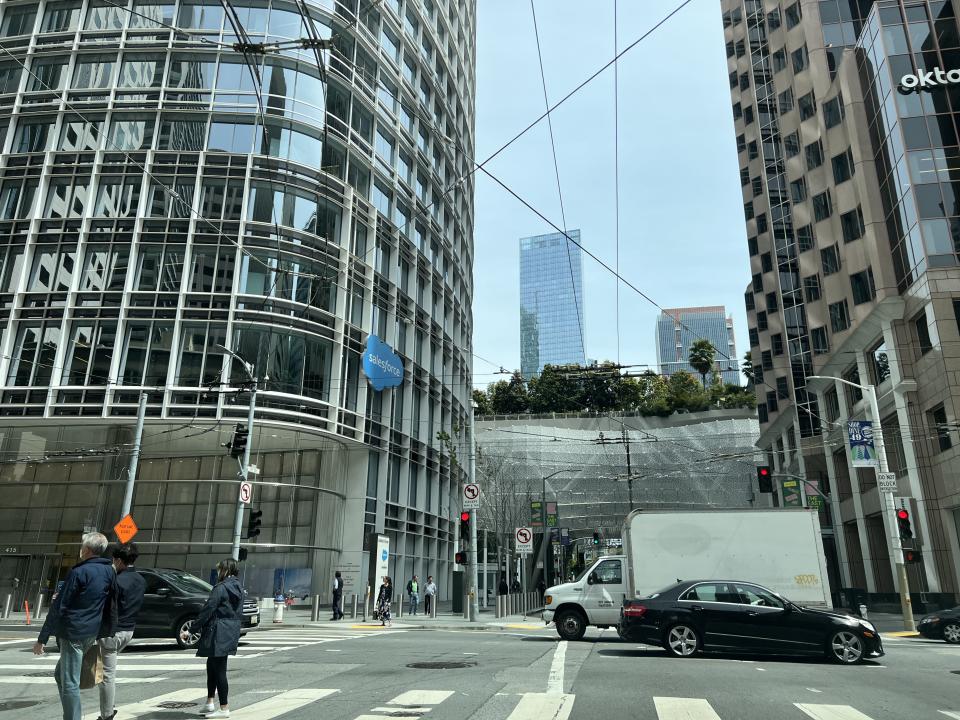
<point>219,623</point>
<point>384,598</point>
<point>515,585</point>
<point>413,594</point>
<point>337,596</point>
<point>429,595</point>
<point>502,588</point>
<point>82,611</point>
<point>129,597</point>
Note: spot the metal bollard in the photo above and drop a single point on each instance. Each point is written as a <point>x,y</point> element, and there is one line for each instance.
<point>433,607</point>
<point>6,606</point>
<point>315,609</point>
<point>353,611</point>
<point>39,612</point>
<point>497,605</point>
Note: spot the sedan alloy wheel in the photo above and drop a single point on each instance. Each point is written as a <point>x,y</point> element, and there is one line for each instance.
<point>846,647</point>
<point>188,633</point>
<point>951,633</point>
<point>682,641</point>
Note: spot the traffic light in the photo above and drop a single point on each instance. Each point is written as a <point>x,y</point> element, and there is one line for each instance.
<point>243,554</point>
<point>764,479</point>
<point>238,443</point>
<point>465,525</point>
<point>253,523</point>
<point>596,538</point>
<point>903,524</point>
<point>911,557</point>
<point>460,558</point>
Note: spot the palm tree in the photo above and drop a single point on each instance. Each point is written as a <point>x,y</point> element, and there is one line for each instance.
<point>747,367</point>
<point>702,356</point>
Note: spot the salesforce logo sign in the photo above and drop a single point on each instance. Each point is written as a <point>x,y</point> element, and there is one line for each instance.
<point>927,80</point>
<point>382,366</point>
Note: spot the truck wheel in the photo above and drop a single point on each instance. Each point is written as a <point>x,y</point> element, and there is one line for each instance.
<point>951,633</point>
<point>571,624</point>
<point>187,633</point>
<point>681,641</point>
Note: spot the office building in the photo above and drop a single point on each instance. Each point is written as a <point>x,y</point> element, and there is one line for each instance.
<point>846,127</point>
<point>679,328</point>
<point>164,196</point>
<point>551,302</point>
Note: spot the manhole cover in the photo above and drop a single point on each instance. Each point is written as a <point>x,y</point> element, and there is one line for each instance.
<point>175,705</point>
<point>17,704</point>
<point>440,665</point>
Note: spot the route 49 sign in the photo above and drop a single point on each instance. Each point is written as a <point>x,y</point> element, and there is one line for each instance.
<point>471,496</point>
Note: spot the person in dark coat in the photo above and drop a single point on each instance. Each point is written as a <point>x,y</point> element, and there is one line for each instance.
<point>503,588</point>
<point>384,598</point>
<point>219,622</point>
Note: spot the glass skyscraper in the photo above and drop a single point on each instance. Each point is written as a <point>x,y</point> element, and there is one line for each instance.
<point>679,328</point>
<point>161,199</point>
<point>551,302</point>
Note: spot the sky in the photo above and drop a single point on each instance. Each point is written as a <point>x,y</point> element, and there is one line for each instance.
<point>682,234</point>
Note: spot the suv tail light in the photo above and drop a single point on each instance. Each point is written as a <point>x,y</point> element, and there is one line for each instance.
<point>634,611</point>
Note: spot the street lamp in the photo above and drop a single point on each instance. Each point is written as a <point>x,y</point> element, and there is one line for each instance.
<point>245,464</point>
<point>543,519</point>
<point>895,546</point>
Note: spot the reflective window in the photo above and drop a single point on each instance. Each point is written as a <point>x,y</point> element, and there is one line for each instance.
<point>32,136</point>
<point>182,134</point>
<point>87,361</point>
<point>200,16</point>
<point>186,72</point>
<point>104,267</point>
<point>141,72</point>
<point>151,14</point>
<point>118,198</point>
<point>47,75</point>
<point>65,199</point>
<point>231,137</point>
<point>130,134</point>
<point>93,73</point>
<point>10,77</point>
<point>52,270</point>
<point>201,363</point>
<point>146,355</point>
<point>104,16</point>
<point>34,353</point>
<point>61,17</point>
<point>80,135</point>
<point>18,20</point>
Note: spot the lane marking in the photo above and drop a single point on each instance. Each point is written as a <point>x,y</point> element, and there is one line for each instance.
<point>814,690</point>
<point>762,669</point>
<point>555,679</point>
<point>149,706</point>
<point>950,714</point>
<point>831,712</point>
<point>538,706</point>
<point>421,697</point>
<point>280,704</point>
<point>674,708</point>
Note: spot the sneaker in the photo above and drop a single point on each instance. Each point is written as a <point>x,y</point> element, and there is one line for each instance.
<point>208,708</point>
<point>219,713</point>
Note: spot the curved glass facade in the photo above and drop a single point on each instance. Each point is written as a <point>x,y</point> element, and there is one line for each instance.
<point>153,208</point>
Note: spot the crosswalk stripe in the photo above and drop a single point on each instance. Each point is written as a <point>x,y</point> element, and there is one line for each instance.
<point>535,706</point>
<point>149,706</point>
<point>951,714</point>
<point>20,679</point>
<point>129,667</point>
<point>831,712</point>
<point>421,697</point>
<point>12,642</point>
<point>677,708</point>
<point>279,704</point>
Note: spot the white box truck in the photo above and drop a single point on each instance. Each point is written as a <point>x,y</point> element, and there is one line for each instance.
<point>780,549</point>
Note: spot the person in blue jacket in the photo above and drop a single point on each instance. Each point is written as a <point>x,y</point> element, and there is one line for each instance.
<point>220,621</point>
<point>83,611</point>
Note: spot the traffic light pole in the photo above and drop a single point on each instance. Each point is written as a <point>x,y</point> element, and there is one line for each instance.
<point>244,469</point>
<point>475,518</point>
<point>896,547</point>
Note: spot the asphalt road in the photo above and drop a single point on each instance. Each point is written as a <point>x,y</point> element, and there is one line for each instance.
<point>523,674</point>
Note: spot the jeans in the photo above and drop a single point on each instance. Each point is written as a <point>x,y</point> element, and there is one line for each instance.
<point>67,674</point>
<point>427,604</point>
<point>110,648</point>
<point>337,605</point>
<point>414,601</point>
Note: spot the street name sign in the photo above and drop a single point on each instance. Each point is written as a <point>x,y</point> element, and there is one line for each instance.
<point>471,496</point>
<point>126,528</point>
<point>524,539</point>
<point>887,482</point>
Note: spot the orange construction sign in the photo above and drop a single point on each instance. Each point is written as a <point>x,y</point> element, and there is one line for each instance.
<point>126,529</point>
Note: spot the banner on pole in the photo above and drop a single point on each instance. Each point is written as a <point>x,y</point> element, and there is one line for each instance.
<point>862,451</point>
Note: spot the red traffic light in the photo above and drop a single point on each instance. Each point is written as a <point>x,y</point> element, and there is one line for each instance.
<point>902,514</point>
<point>465,516</point>
<point>763,472</point>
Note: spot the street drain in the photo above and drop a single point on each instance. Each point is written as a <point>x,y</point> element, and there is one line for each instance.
<point>17,704</point>
<point>441,665</point>
<point>175,705</point>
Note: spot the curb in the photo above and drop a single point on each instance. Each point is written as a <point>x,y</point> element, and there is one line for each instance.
<point>902,634</point>
<point>479,627</point>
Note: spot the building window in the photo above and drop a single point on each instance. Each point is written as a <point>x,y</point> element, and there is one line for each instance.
<point>754,337</point>
<point>792,15</point>
<point>814,154</point>
<point>758,375</point>
<point>807,104</point>
<point>756,185</point>
<point>741,143</point>
<point>820,341</point>
<point>730,50</point>
<point>773,19</point>
<point>752,246</point>
<point>762,222</point>
<point>805,238</point>
<point>783,390</point>
<point>761,320</point>
<point>776,343</point>
<point>853,394</point>
<point>772,401</point>
<point>830,260</point>
<point>811,287</point>
<point>937,419</point>
<point>861,284</point>
<point>833,112</point>
<point>843,166</point>
<point>852,225</point>
<point>791,144</point>
<point>748,301</point>
<point>744,81</point>
<point>762,415</point>
<point>839,316</point>
<point>772,306</point>
<point>822,207</point>
<point>779,60</point>
<point>758,283</point>
<point>766,360</point>
<point>748,210</point>
<point>752,152</point>
<point>799,58</point>
<point>798,190</point>
<point>766,262</point>
<point>744,175</point>
<point>923,333</point>
<point>878,363</point>
<point>956,312</point>
<point>785,100</point>
<point>748,115</point>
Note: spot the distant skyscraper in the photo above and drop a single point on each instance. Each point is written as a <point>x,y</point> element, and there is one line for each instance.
<point>679,328</point>
<point>551,302</point>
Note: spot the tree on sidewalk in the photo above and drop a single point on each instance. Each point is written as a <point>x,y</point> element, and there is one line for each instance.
<point>702,356</point>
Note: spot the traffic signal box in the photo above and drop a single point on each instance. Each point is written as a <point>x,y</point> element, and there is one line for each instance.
<point>253,523</point>
<point>764,479</point>
<point>903,524</point>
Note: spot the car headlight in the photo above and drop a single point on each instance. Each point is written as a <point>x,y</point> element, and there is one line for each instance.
<point>868,626</point>
<point>931,619</point>
<point>548,600</point>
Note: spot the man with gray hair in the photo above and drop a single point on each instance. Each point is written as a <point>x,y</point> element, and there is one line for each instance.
<point>83,610</point>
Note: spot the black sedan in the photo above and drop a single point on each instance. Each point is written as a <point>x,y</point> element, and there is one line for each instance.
<point>733,616</point>
<point>944,625</point>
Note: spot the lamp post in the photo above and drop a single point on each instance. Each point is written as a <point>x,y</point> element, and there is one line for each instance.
<point>245,464</point>
<point>543,519</point>
<point>894,544</point>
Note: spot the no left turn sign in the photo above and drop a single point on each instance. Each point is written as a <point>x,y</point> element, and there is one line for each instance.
<point>471,496</point>
<point>524,540</point>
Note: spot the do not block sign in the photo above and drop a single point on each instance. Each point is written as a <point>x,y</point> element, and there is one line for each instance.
<point>524,540</point>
